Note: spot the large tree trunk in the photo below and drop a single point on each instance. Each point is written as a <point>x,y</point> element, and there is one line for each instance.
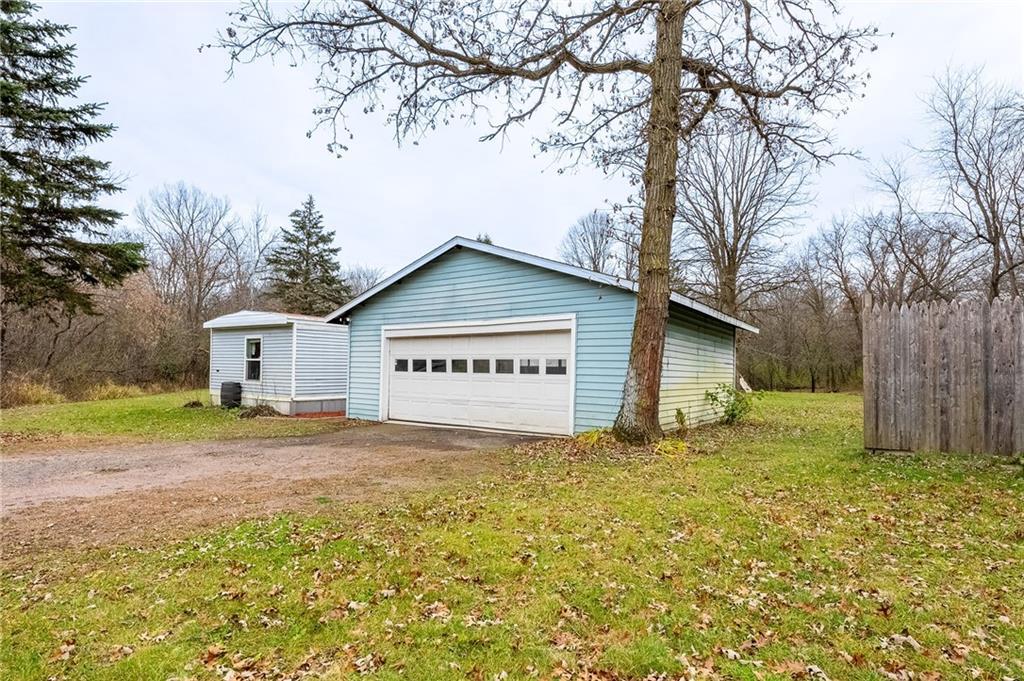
<point>638,416</point>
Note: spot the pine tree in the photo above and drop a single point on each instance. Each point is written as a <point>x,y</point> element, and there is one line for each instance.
<point>306,277</point>
<point>54,248</point>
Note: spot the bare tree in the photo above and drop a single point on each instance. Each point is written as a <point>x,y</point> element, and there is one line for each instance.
<point>361,278</point>
<point>625,226</point>
<point>248,246</point>
<point>624,76</point>
<point>190,235</point>
<point>590,243</point>
<point>834,250</point>
<point>934,257</point>
<point>978,148</point>
<point>738,202</point>
<point>827,349</point>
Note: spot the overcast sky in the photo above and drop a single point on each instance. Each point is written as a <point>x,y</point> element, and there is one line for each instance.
<point>178,118</point>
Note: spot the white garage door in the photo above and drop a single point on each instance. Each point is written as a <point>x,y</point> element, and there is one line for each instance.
<point>510,381</point>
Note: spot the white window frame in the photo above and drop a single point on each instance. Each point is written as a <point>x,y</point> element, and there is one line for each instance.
<point>563,322</point>
<point>246,360</point>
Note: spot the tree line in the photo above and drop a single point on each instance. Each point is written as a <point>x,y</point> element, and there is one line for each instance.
<point>948,225</point>
<point>87,300</point>
<point>202,259</point>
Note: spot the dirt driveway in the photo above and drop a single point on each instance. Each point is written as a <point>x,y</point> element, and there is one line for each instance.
<point>138,494</point>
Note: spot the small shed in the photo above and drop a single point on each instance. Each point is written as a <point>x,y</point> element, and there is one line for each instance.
<point>296,364</point>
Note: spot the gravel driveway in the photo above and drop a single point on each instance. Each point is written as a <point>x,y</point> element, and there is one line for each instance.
<point>135,494</point>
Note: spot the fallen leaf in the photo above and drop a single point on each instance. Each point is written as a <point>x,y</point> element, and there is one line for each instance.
<point>120,652</point>
<point>212,654</point>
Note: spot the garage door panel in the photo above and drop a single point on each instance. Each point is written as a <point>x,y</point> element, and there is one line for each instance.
<point>515,401</point>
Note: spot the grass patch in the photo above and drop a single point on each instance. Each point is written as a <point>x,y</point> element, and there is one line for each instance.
<point>776,549</point>
<point>149,418</point>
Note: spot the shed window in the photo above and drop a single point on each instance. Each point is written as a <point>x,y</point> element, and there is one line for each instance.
<point>481,366</point>
<point>419,366</point>
<point>438,366</point>
<point>504,366</point>
<point>253,359</point>
<point>459,366</point>
<point>554,366</point>
<point>401,365</point>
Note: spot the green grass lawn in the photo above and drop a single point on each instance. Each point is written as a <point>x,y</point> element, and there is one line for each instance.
<point>773,550</point>
<point>150,418</point>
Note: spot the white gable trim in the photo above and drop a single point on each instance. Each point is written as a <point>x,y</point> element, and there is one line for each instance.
<point>536,261</point>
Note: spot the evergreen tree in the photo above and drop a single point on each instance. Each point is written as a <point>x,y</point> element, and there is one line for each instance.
<point>306,277</point>
<point>53,238</point>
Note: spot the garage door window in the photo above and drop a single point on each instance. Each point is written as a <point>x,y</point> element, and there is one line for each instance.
<point>401,365</point>
<point>529,366</point>
<point>459,366</point>
<point>504,366</point>
<point>555,366</point>
<point>419,366</point>
<point>481,366</point>
<point>438,366</point>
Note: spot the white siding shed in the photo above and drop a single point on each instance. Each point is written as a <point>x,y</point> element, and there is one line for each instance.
<point>295,363</point>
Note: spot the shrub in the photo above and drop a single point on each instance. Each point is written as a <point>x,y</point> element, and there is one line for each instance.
<point>735,404</point>
<point>23,392</point>
<point>112,391</point>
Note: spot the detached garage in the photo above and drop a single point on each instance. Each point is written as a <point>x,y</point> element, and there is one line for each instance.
<point>480,336</point>
<point>294,363</point>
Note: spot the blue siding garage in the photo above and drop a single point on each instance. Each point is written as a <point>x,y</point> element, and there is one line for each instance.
<point>491,302</point>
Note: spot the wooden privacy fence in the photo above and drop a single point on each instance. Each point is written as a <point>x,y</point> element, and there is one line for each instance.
<point>944,376</point>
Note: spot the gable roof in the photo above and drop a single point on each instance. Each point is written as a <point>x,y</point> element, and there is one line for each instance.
<point>245,318</point>
<point>536,261</point>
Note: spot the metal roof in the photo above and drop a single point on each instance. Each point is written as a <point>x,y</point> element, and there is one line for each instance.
<point>537,261</point>
<point>248,318</point>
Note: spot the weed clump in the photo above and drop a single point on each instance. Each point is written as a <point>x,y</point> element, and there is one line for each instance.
<point>17,392</point>
<point>256,411</point>
<point>112,391</point>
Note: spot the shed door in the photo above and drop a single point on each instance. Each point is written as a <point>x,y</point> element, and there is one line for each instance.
<point>509,381</point>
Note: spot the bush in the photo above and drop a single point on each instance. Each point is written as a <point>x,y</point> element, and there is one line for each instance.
<point>112,391</point>
<point>23,392</point>
<point>735,404</point>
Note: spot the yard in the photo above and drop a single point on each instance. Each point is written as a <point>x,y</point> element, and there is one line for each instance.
<point>774,550</point>
<point>154,418</point>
